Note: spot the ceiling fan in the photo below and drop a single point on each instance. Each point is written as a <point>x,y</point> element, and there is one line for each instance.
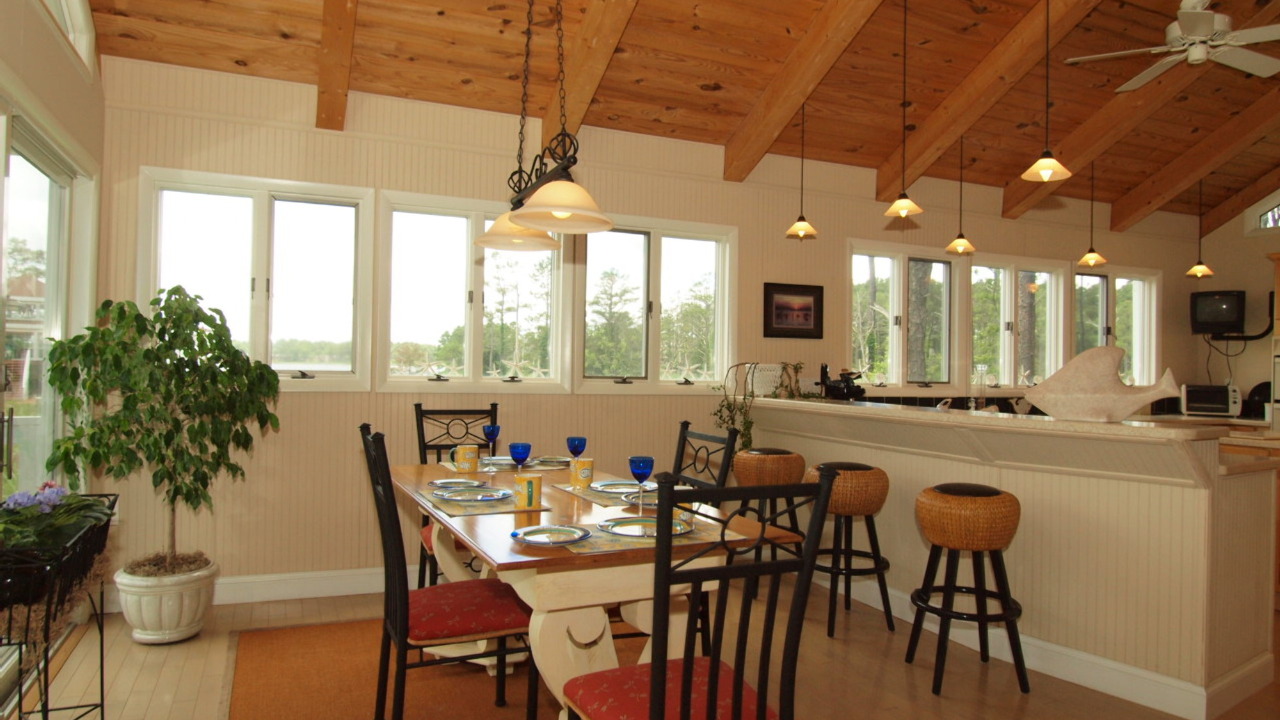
<point>1198,35</point>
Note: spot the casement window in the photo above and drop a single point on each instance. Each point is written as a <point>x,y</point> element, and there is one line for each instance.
<point>655,306</point>
<point>1016,322</point>
<point>289,265</point>
<point>1118,306</point>
<point>901,318</point>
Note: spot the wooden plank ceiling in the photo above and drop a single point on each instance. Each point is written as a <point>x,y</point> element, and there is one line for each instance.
<point>736,72</point>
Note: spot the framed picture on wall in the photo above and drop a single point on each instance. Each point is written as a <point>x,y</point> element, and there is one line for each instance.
<point>792,311</point>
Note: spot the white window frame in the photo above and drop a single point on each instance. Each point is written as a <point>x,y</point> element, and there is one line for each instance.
<point>958,349</point>
<point>1150,337</point>
<point>726,238</point>
<point>477,213</point>
<point>153,180</point>
<point>1059,308</point>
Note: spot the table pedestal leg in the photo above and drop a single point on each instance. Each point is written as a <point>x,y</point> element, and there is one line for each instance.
<point>569,643</point>
<point>639,614</point>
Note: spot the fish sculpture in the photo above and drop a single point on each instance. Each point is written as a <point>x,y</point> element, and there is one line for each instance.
<point>1088,388</point>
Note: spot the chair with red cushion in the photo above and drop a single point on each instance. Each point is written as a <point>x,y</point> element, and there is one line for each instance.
<point>439,431</point>
<point>749,584</point>
<point>454,612</point>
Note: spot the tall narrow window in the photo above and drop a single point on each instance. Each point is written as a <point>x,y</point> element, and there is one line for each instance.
<point>1090,312</point>
<point>1035,326</point>
<point>313,304</point>
<point>689,336</point>
<point>519,309</point>
<point>428,294</point>
<point>873,318</point>
<point>616,305</point>
<point>928,320</point>
<point>991,325</point>
<point>35,237</point>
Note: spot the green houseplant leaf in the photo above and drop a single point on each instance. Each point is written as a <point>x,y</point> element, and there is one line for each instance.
<point>167,392</point>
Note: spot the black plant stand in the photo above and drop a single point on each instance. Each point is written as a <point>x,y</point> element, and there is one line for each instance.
<point>37,585</point>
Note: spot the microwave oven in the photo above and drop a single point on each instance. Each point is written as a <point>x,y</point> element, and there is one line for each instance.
<point>1211,400</point>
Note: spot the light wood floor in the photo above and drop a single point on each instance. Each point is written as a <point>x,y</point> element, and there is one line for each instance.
<point>860,674</point>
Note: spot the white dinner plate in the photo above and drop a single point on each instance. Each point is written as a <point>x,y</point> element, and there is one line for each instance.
<point>650,498</point>
<point>645,526</point>
<point>551,534</point>
<point>618,487</point>
<point>453,483</point>
<point>473,494</point>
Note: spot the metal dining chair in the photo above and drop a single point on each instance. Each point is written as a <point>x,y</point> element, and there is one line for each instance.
<point>439,431</point>
<point>751,615</point>
<point>703,459</point>
<point>427,617</point>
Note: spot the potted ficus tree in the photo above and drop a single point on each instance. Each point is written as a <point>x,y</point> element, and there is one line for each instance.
<point>167,392</point>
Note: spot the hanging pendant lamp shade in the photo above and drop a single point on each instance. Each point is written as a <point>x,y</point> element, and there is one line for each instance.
<point>1047,168</point>
<point>801,229</point>
<point>564,207</point>
<point>961,245</point>
<point>1091,258</point>
<point>506,235</point>
<point>1200,270</point>
<point>903,206</point>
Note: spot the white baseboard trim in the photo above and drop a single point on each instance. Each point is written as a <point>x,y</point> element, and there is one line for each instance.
<point>285,586</point>
<point>1159,692</point>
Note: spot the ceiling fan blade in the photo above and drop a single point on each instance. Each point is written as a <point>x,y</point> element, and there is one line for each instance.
<point>1119,54</point>
<point>1254,63</point>
<point>1151,73</point>
<point>1195,23</point>
<point>1266,33</point>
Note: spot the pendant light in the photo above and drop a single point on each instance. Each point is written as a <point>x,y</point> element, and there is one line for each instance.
<point>961,245</point>
<point>1047,168</point>
<point>1200,270</point>
<point>503,234</point>
<point>801,228</point>
<point>1091,258</point>
<point>903,206</point>
<point>557,203</point>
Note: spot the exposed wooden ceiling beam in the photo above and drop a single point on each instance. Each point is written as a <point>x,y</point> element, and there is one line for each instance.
<point>585,61</point>
<point>825,40</point>
<point>1020,51</point>
<point>1230,139</point>
<point>337,37</point>
<point>1113,122</point>
<point>1229,209</point>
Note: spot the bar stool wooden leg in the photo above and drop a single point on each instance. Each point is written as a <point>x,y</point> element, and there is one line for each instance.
<point>1011,625</point>
<point>980,596</point>
<point>878,560</point>
<point>837,536</point>
<point>848,563</point>
<point>926,589</point>
<point>944,626</point>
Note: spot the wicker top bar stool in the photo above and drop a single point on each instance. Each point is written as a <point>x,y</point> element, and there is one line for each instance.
<point>980,520</point>
<point>770,466</point>
<point>859,492</point>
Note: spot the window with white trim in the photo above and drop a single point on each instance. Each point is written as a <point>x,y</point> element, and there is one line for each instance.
<point>1015,321</point>
<point>288,264</point>
<point>1118,306</point>
<point>655,306</point>
<point>901,317</point>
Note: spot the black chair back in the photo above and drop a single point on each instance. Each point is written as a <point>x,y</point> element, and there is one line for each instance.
<point>396,580</point>
<point>704,460</point>
<point>750,629</point>
<point>440,431</point>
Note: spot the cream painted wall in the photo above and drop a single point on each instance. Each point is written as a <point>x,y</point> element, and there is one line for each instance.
<point>304,507</point>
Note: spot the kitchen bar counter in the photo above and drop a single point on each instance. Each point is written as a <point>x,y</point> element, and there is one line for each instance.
<point>1144,558</point>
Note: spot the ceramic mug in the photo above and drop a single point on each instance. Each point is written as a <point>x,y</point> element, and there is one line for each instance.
<point>581,472</point>
<point>465,458</point>
<point>528,489</point>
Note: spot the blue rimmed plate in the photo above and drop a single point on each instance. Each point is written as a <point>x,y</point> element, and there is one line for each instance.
<point>641,526</point>
<point>551,534</point>
<point>483,494</point>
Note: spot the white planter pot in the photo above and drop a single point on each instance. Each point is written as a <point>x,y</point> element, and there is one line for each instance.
<point>166,609</point>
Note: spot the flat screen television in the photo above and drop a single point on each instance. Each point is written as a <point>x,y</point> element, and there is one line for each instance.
<point>1217,311</point>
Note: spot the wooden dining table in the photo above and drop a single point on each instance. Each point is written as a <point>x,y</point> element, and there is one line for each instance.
<point>569,592</point>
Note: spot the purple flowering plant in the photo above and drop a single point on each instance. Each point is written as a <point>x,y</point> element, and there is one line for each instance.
<point>48,517</point>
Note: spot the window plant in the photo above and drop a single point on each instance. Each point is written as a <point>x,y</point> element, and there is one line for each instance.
<point>167,392</point>
<point>47,518</point>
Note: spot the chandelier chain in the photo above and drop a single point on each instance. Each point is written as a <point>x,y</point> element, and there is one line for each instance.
<point>560,61</point>
<point>960,224</point>
<point>524,82</point>
<point>1046,75</point>
<point>904,96</point>
<point>802,160</point>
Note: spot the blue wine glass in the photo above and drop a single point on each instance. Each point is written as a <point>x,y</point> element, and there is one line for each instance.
<point>519,453</point>
<point>577,445</point>
<point>491,434</point>
<point>641,468</point>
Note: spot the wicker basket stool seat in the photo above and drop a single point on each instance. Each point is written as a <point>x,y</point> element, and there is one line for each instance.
<point>859,492</point>
<point>980,520</point>
<point>770,466</point>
